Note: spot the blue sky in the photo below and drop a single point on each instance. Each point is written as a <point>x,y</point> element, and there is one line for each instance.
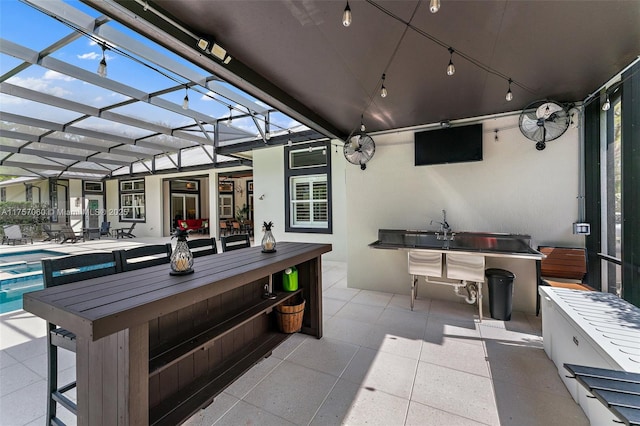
<point>22,24</point>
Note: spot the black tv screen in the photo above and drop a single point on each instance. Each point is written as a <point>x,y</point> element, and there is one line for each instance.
<point>450,145</point>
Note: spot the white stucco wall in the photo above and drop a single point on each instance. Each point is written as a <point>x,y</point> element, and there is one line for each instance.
<point>268,181</point>
<point>515,189</point>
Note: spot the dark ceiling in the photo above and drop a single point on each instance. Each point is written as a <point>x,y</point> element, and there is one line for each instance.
<point>299,53</point>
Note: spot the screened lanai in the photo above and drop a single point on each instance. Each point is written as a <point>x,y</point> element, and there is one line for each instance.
<point>90,99</point>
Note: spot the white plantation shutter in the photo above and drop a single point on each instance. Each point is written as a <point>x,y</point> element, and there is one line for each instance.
<point>309,202</point>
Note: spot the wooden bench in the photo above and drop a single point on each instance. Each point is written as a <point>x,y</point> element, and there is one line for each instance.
<point>564,267</point>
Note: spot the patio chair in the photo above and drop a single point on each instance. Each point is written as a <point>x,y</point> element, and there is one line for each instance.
<point>58,271</point>
<point>143,256</point>
<point>51,234</point>
<point>104,229</point>
<point>124,232</point>
<point>68,234</point>
<point>203,246</point>
<point>13,233</point>
<point>235,242</point>
<point>224,229</point>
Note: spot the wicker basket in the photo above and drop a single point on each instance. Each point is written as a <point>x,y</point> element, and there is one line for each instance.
<point>290,315</point>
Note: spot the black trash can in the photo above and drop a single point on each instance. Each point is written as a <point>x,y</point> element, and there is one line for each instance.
<point>500,293</point>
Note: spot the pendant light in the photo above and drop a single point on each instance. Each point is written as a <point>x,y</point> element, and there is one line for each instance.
<point>185,101</point>
<point>434,6</point>
<point>509,96</point>
<point>346,15</point>
<point>102,67</point>
<point>230,116</point>
<point>383,90</point>
<point>451,69</point>
<point>606,105</point>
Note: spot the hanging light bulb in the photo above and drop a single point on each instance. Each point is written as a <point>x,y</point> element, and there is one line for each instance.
<point>606,105</point>
<point>509,96</point>
<point>383,90</point>
<point>230,116</point>
<point>102,67</point>
<point>362,128</point>
<point>451,69</point>
<point>434,6</point>
<point>185,101</point>
<point>346,15</point>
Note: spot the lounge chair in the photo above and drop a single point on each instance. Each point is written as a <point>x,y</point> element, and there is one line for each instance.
<point>51,234</point>
<point>68,234</point>
<point>104,229</point>
<point>235,242</point>
<point>64,270</point>
<point>13,233</point>
<point>124,232</point>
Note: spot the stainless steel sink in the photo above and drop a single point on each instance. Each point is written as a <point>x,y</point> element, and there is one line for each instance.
<point>482,242</point>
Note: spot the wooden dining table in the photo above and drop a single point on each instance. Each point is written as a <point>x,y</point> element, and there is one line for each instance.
<point>153,348</point>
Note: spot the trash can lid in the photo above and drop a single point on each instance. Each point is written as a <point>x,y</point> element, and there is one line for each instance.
<point>496,272</point>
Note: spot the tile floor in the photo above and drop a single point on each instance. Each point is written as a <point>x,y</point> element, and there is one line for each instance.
<point>377,364</point>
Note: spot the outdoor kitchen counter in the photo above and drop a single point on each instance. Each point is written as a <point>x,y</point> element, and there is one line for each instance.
<point>152,348</point>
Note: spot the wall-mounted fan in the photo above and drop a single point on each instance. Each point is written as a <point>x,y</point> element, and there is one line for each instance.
<point>359,149</point>
<point>543,121</point>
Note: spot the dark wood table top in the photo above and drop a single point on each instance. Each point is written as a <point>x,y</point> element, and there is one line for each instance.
<point>101,306</point>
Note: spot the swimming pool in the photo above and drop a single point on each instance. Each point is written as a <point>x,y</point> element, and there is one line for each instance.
<point>21,272</point>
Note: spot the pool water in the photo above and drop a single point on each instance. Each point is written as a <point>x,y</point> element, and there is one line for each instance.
<point>21,272</point>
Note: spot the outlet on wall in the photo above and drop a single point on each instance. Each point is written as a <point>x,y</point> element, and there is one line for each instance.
<point>581,228</point>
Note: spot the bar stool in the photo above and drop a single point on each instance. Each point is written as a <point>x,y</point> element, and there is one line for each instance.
<point>58,271</point>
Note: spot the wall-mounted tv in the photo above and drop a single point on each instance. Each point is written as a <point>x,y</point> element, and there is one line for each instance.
<point>451,145</point>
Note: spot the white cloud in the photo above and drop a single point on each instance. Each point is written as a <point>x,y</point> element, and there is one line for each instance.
<point>39,85</point>
<point>54,75</point>
<point>90,56</point>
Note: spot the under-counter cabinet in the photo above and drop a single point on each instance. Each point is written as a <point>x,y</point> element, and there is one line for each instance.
<point>154,348</point>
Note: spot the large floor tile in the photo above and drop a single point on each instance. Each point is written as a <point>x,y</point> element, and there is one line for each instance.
<point>325,355</point>
<point>524,366</point>
<point>445,309</point>
<point>372,298</point>
<point>29,349</point>
<point>24,405</point>
<point>359,312</point>
<point>464,394</point>
<point>518,406</point>
<point>403,302</point>
<point>346,330</point>
<point>330,307</point>
<point>292,392</point>
<point>457,355</point>
<point>380,371</point>
<point>251,378</point>
<point>423,415</point>
<point>348,404</point>
<point>16,377</point>
<point>246,414</point>
<point>394,341</point>
<point>216,410</point>
<point>440,330</point>
<point>411,323</point>
<point>339,293</point>
<point>6,360</point>
<point>288,346</point>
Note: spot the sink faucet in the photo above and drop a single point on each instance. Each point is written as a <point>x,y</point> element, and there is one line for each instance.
<point>444,227</point>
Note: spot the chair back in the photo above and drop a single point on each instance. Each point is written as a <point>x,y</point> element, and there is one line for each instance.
<point>143,256</point>
<point>235,242</point>
<point>69,269</point>
<point>104,228</point>
<point>236,226</point>
<point>202,246</point>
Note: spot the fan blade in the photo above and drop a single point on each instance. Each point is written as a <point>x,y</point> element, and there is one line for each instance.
<point>546,109</point>
<point>530,125</point>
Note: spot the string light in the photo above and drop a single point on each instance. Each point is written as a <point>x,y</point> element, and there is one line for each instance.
<point>509,96</point>
<point>346,15</point>
<point>362,128</point>
<point>451,69</point>
<point>230,116</point>
<point>383,90</point>
<point>434,6</point>
<point>606,105</point>
<point>185,101</point>
<point>102,67</point>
